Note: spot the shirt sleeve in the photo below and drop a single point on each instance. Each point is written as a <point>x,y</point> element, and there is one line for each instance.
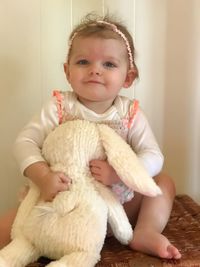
<point>143,142</point>
<point>27,147</point>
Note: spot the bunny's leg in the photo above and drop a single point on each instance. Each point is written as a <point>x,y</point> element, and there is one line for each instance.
<point>18,253</point>
<point>117,217</point>
<point>77,259</point>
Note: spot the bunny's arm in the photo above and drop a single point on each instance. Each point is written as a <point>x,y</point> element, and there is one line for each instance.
<point>24,210</point>
<point>125,162</point>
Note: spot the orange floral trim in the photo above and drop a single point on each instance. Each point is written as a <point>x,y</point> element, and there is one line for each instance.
<point>59,98</point>
<point>128,121</point>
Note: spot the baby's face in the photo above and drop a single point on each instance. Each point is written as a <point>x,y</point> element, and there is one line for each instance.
<point>97,69</point>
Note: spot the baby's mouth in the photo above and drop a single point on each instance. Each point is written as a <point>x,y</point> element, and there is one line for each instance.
<point>94,82</point>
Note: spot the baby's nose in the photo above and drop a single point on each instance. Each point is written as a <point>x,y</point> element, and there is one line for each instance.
<point>95,70</point>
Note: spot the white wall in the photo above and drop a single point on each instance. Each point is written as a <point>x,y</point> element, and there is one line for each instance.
<point>150,42</point>
<point>33,48</point>
<point>20,82</point>
<point>182,95</point>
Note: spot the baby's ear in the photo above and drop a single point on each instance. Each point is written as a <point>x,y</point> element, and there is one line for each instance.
<point>126,163</point>
<point>66,70</point>
<point>130,77</point>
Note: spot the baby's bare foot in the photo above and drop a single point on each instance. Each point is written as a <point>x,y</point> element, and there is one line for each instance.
<point>153,243</point>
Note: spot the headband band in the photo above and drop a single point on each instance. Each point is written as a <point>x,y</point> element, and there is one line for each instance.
<point>115,29</point>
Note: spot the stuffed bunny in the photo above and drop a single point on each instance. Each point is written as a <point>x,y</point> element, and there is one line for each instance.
<point>71,229</point>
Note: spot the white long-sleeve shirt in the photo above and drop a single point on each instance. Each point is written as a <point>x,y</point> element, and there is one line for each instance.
<point>27,148</point>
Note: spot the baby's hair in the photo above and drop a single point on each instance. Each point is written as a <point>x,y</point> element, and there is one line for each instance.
<point>105,27</point>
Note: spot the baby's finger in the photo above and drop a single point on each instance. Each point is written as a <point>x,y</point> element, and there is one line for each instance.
<point>63,187</point>
<point>97,177</point>
<point>95,170</point>
<point>64,178</point>
<point>95,163</point>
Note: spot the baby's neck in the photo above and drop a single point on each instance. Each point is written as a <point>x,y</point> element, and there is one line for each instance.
<point>98,107</point>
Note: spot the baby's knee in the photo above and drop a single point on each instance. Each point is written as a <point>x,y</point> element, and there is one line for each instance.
<point>165,182</point>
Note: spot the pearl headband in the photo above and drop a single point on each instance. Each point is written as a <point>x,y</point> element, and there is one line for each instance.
<point>115,29</point>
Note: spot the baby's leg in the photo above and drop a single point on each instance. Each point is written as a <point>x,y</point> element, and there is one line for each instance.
<point>6,222</point>
<point>152,218</point>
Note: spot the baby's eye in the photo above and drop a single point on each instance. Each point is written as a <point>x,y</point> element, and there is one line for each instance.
<point>82,62</point>
<point>109,64</point>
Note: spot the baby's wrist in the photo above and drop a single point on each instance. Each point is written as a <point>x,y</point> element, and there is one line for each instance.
<point>115,178</point>
<point>37,172</point>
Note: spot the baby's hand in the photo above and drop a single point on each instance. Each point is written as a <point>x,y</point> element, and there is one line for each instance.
<point>103,172</point>
<point>53,183</point>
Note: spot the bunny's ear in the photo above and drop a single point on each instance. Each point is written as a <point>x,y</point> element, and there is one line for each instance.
<point>126,163</point>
